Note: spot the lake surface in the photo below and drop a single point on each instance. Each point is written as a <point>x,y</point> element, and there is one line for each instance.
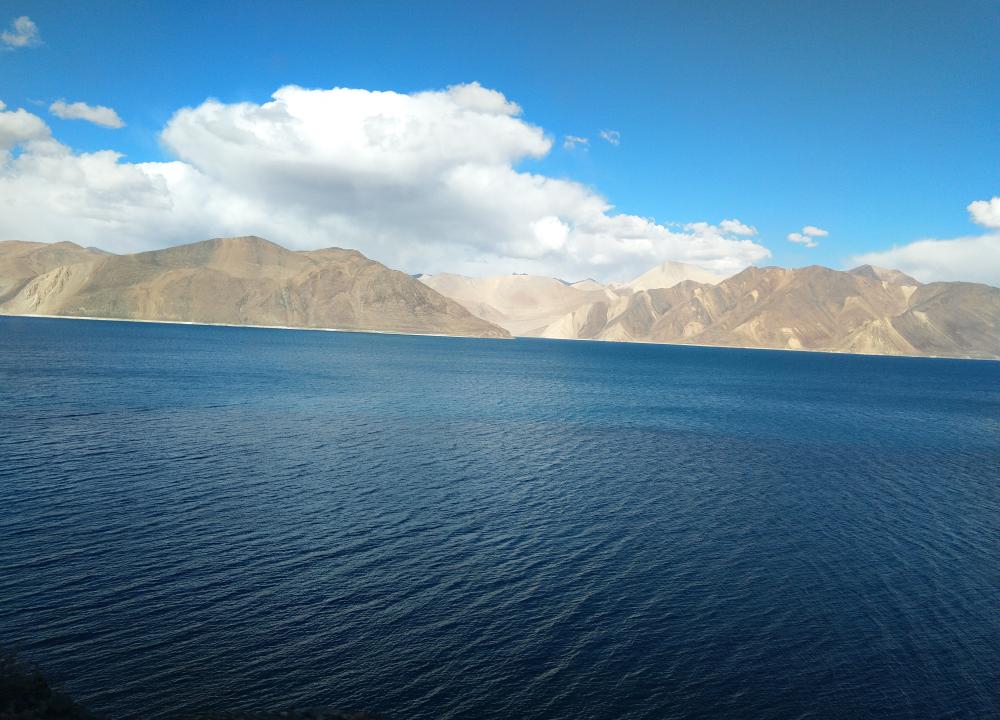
<point>204,518</point>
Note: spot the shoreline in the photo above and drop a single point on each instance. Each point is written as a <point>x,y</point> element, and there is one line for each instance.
<point>246,325</point>
<point>512,337</point>
<point>769,349</point>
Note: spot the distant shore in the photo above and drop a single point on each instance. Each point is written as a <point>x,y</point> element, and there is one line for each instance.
<point>770,349</point>
<point>513,337</point>
<point>247,325</point>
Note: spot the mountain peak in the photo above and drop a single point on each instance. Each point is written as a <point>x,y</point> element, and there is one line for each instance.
<point>873,272</point>
<point>670,273</point>
<point>247,240</point>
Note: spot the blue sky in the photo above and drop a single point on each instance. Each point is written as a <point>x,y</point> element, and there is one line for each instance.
<point>879,122</point>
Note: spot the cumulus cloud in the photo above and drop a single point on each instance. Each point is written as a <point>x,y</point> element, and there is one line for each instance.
<point>973,257</point>
<point>97,114</point>
<point>807,236</point>
<point>18,127</point>
<point>570,142</point>
<point>611,136</point>
<point>985,212</point>
<point>423,182</point>
<point>21,33</point>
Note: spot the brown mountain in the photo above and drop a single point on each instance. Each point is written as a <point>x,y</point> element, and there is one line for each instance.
<point>240,281</point>
<point>20,262</point>
<point>865,310</point>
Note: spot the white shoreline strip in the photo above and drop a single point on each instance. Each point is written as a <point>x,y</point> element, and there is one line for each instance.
<point>244,325</point>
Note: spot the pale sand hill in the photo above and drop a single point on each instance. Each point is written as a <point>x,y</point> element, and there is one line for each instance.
<point>669,274</point>
<point>241,281</point>
<point>531,305</point>
<point>523,304</point>
<point>588,284</point>
<point>866,310</point>
<point>587,320</point>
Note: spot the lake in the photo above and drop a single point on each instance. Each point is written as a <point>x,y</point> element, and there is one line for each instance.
<point>207,518</point>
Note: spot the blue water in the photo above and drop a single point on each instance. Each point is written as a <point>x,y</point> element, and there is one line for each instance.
<point>198,518</point>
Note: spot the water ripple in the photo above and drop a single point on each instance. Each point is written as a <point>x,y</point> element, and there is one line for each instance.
<point>216,518</point>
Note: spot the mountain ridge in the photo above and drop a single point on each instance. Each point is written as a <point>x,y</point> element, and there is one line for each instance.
<point>236,281</point>
<point>866,310</point>
<point>249,280</point>
<point>816,308</point>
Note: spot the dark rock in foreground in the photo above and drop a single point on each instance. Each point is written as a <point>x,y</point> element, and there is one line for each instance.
<point>26,694</point>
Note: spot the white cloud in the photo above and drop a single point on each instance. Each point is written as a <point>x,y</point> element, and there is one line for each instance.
<point>473,96</point>
<point>547,235</point>
<point>802,239</point>
<point>570,142</point>
<point>97,114</point>
<point>807,236</point>
<point>737,228</point>
<point>22,33</point>
<point>611,136</point>
<point>974,258</point>
<point>813,231</point>
<point>985,212</point>
<point>18,127</point>
<point>422,182</point>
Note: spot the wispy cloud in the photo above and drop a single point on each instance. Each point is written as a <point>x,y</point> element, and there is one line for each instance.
<point>570,142</point>
<point>807,236</point>
<point>97,114</point>
<point>22,33</point>
<point>611,136</point>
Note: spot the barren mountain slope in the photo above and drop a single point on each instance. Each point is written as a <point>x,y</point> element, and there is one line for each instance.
<point>944,318</point>
<point>877,273</point>
<point>247,280</point>
<point>21,261</point>
<point>867,310</point>
<point>812,307</point>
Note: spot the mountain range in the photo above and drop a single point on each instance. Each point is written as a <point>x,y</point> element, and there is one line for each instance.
<point>239,281</point>
<point>251,281</point>
<point>864,310</point>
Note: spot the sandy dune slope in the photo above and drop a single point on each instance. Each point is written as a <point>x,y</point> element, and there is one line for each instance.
<point>670,273</point>
<point>523,304</point>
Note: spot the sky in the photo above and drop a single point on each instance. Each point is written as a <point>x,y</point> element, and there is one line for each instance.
<point>572,139</point>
